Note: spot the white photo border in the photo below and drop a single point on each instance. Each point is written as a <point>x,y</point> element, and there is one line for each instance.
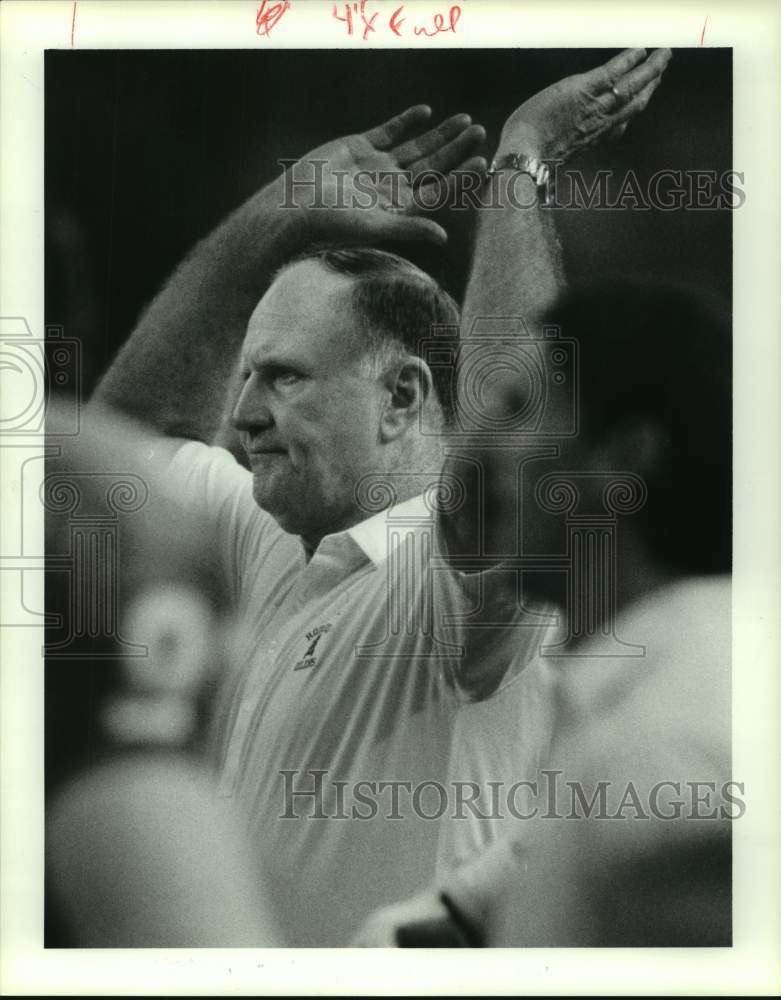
<point>753,31</point>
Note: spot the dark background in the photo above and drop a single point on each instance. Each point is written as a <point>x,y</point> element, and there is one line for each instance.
<point>147,150</point>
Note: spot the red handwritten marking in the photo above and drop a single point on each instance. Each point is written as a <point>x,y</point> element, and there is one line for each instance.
<point>358,9</point>
<point>355,10</point>
<point>269,16</point>
<point>73,22</point>
<point>396,21</point>
<point>368,25</point>
<point>702,36</point>
<point>439,23</point>
<point>348,18</point>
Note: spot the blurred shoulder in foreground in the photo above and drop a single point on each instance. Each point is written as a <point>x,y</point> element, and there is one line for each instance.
<point>140,852</point>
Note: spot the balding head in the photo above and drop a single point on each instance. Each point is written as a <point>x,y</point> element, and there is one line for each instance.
<point>331,394</point>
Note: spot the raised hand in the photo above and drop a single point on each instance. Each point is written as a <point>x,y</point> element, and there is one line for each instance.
<point>375,185</point>
<point>581,110</point>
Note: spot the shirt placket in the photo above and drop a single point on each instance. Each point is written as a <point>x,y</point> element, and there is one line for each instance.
<point>335,560</point>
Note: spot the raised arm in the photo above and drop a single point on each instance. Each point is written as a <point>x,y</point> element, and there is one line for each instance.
<point>174,371</point>
<point>516,274</point>
<point>516,269</point>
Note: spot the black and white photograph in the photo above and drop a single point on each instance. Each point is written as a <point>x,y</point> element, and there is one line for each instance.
<point>379,510</point>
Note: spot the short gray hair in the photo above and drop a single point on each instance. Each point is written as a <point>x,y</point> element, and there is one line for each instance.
<point>397,303</point>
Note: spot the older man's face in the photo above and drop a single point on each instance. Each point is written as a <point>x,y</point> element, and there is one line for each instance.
<point>309,412</point>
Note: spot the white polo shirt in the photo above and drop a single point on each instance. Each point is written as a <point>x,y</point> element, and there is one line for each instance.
<point>378,682</point>
<point>660,723</point>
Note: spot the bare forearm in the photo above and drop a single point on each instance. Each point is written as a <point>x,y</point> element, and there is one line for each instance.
<point>516,270</point>
<point>516,277</point>
<point>174,370</point>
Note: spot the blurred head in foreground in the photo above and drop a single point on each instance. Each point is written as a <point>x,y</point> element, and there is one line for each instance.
<point>654,382</point>
<point>138,852</point>
<point>656,395</point>
<point>650,729</point>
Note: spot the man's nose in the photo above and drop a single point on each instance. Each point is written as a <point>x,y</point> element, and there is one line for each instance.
<point>251,411</point>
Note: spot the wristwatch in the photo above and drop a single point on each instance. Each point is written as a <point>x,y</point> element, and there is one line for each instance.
<point>524,164</point>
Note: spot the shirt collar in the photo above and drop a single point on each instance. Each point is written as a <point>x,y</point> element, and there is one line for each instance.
<point>374,535</point>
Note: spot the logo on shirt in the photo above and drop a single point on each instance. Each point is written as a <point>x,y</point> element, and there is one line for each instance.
<point>313,638</point>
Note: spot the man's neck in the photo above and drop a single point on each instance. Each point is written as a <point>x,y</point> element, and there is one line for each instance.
<point>380,496</point>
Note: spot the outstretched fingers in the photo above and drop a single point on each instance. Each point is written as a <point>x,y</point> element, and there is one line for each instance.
<point>605,76</point>
<point>451,154</point>
<point>624,88</point>
<point>396,129</point>
<point>652,69</point>
<point>637,104</point>
<point>453,187</point>
<point>440,148</point>
<point>429,142</point>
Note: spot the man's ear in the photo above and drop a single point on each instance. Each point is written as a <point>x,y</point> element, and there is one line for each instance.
<point>409,384</point>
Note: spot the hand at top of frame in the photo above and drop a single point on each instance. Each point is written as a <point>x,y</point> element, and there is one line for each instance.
<point>371,186</point>
<point>580,110</point>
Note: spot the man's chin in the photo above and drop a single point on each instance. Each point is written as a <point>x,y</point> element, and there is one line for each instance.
<point>280,506</point>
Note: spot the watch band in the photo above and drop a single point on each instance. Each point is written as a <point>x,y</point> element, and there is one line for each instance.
<point>523,164</point>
